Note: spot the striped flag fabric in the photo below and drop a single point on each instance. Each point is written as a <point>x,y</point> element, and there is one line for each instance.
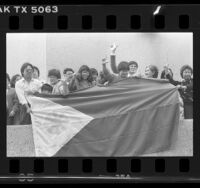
<point>132,117</point>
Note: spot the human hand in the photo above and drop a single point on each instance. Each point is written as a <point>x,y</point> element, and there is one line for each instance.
<point>184,87</point>
<point>105,60</point>
<point>113,48</point>
<point>28,110</point>
<point>166,68</point>
<point>12,113</point>
<point>138,75</point>
<point>181,87</point>
<point>106,83</point>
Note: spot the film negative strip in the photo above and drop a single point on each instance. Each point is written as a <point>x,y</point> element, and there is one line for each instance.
<point>99,93</point>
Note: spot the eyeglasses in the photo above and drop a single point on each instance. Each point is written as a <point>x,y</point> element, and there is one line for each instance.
<point>28,70</point>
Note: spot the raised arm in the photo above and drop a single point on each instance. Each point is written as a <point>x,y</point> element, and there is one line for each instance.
<point>106,72</point>
<point>113,59</point>
<point>169,76</point>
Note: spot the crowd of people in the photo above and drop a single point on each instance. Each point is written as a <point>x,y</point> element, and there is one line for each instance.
<point>29,82</point>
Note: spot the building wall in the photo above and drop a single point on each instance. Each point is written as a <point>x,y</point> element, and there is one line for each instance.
<point>74,50</point>
<point>63,50</point>
<point>26,47</point>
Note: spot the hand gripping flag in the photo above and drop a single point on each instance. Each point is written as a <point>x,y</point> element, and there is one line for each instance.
<point>132,117</point>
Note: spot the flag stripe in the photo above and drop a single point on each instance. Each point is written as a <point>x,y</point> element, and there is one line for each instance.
<point>126,135</point>
<point>121,97</point>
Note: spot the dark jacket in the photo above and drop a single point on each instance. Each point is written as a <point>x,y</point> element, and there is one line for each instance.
<point>12,105</point>
<point>187,94</point>
<point>25,118</point>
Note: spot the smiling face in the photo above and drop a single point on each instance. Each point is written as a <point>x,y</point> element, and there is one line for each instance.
<point>148,72</point>
<point>85,74</point>
<point>133,68</point>
<point>187,74</point>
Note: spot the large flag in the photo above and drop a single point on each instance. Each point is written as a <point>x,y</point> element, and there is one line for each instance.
<point>132,117</point>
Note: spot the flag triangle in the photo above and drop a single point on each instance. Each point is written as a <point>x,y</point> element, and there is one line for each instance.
<point>54,125</point>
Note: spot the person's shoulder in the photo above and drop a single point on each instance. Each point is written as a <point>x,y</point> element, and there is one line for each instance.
<point>36,81</point>
<point>19,82</point>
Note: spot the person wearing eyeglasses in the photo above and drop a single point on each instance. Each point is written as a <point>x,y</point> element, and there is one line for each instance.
<point>26,86</point>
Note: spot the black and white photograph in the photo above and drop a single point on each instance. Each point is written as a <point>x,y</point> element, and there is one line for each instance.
<point>99,94</point>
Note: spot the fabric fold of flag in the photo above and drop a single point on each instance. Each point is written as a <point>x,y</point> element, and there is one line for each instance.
<point>132,117</point>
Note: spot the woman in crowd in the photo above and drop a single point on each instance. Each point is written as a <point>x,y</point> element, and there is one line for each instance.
<point>12,103</point>
<point>59,86</point>
<point>25,86</point>
<point>36,74</point>
<point>68,74</point>
<point>14,79</point>
<point>133,69</point>
<point>166,71</point>
<point>82,80</point>
<point>95,74</point>
<point>164,75</point>
<point>185,89</point>
<point>151,71</point>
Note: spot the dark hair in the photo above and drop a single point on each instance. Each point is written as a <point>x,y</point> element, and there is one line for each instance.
<point>46,87</point>
<point>54,72</point>
<point>94,71</point>
<point>7,77</point>
<point>163,76</point>
<point>132,63</point>
<point>123,65</point>
<point>13,80</point>
<point>154,69</point>
<point>68,69</point>
<point>85,68</point>
<point>185,67</point>
<point>24,66</point>
<point>35,68</point>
